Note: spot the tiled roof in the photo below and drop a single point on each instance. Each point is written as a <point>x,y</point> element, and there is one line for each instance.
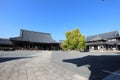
<point>118,43</point>
<point>32,36</point>
<point>99,43</point>
<point>97,38</point>
<point>104,35</point>
<point>95,43</point>
<point>5,41</point>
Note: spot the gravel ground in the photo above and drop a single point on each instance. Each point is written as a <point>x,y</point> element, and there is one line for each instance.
<point>90,65</point>
<point>58,65</point>
<point>33,65</point>
<point>18,53</point>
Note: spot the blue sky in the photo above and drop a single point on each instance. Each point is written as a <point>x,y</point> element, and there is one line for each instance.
<point>58,16</point>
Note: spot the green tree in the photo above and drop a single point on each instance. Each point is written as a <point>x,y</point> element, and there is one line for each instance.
<point>74,41</point>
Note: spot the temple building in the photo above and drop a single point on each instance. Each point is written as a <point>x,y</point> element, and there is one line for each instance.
<point>104,42</point>
<point>30,40</point>
<point>35,40</point>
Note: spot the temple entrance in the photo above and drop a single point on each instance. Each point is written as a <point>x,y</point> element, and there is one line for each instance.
<point>95,47</point>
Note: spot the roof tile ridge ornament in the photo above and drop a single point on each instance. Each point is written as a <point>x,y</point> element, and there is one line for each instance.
<point>117,33</point>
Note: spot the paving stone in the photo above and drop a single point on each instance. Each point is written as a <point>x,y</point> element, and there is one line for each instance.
<point>38,67</point>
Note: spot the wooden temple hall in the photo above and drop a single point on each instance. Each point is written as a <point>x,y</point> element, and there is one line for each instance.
<point>109,41</point>
<point>30,40</point>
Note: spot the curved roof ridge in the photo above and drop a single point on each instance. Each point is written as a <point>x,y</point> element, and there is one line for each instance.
<point>33,31</point>
<point>98,37</point>
<point>33,36</point>
<point>104,35</point>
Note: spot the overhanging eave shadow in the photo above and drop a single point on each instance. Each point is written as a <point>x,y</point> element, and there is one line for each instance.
<point>5,59</point>
<point>97,65</point>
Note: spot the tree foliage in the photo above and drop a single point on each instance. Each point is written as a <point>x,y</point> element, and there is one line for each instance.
<point>74,41</point>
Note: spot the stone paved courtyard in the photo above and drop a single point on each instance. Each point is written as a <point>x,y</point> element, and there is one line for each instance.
<point>37,66</point>
<point>56,65</point>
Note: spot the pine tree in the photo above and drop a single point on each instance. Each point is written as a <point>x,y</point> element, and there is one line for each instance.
<point>74,41</point>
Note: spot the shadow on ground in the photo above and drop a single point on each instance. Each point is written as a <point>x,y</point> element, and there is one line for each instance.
<point>97,65</point>
<point>5,59</point>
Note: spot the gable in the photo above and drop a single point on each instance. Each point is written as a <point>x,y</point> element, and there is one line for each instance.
<point>108,35</point>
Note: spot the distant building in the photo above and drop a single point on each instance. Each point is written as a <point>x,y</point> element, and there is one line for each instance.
<point>35,40</point>
<point>30,40</point>
<point>61,41</point>
<point>5,44</point>
<point>104,42</point>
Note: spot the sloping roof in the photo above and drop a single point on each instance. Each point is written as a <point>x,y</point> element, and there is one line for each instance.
<point>95,43</point>
<point>107,35</point>
<point>118,43</point>
<point>96,38</point>
<point>5,41</point>
<point>32,36</point>
<point>111,42</point>
<point>99,43</point>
